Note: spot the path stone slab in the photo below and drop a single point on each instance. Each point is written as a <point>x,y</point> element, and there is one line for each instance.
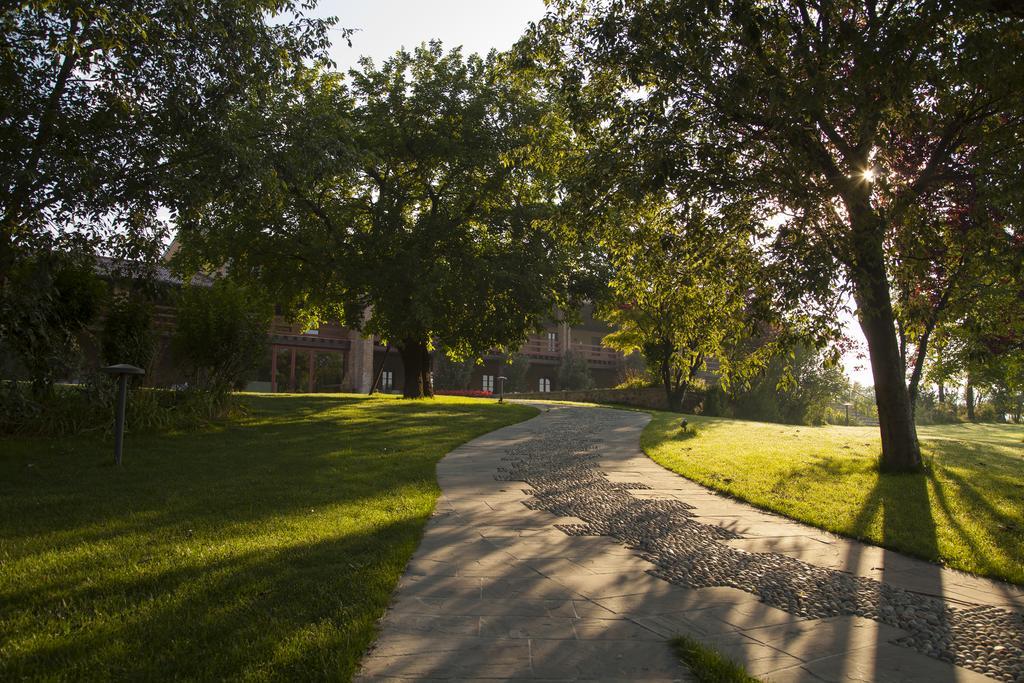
<point>559,552</point>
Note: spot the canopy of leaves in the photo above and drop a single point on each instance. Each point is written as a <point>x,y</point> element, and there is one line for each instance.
<point>220,333</point>
<point>104,106</point>
<point>410,203</point>
<point>685,290</point>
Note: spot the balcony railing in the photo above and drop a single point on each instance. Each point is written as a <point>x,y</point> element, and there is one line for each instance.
<point>542,348</point>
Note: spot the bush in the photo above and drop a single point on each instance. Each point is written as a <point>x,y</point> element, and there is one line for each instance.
<point>127,335</point>
<point>221,334</point>
<point>573,373</point>
<point>89,407</point>
<point>48,302</point>
<point>451,374</point>
<point>472,393</point>
<point>716,403</point>
<point>516,370</point>
<point>637,379</point>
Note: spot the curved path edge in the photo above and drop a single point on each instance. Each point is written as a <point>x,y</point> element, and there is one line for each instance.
<point>497,590</point>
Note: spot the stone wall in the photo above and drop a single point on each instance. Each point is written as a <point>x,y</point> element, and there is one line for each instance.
<point>650,397</point>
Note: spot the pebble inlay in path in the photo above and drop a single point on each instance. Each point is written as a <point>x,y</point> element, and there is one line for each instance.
<point>563,472</point>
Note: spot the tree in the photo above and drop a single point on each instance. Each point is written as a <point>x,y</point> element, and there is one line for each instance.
<point>412,204</point>
<point>798,389</point>
<point>128,335</point>
<point>220,333</point>
<point>682,294</point>
<point>516,369</point>
<point>844,121</point>
<point>573,373</point>
<point>450,374</point>
<point>103,105</point>
<point>57,296</point>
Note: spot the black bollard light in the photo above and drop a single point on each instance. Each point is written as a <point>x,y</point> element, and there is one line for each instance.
<point>501,389</point>
<point>121,372</point>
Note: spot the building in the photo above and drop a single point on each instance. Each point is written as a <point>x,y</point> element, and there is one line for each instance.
<point>335,358</point>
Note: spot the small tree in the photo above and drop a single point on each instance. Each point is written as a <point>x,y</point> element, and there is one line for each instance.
<point>221,333</point>
<point>451,374</point>
<point>127,335</point>
<point>45,308</point>
<point>573,373</point>
<point>682,290</point>
<point>516,370</point>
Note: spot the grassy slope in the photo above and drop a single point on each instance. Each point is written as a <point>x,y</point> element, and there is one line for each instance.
<point>266,549</point>
<point>966,510</point>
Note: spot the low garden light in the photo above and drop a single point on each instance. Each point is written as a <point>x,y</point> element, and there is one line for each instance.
<point>121,373</point>
<point>683,425</point>
<point>501,388</point>
<point>847,406</point>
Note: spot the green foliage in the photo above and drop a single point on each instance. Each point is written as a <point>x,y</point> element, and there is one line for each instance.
<point>221,333</point>
<point>89,408</point>
<point>108,108</point>
<point>46,305</point>
<point>812,385</point>
<point>637,379</point>
<point>573,373</point>
<point>716,403</point>
<point>451,374</point>
<point>516,369</point>
<point>879,150</point>
<point>265,548</point>
<point>417,195</point>
<point>128,335</point>
<point>681,287</point>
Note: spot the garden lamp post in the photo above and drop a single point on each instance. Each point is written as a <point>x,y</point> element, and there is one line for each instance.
<point>501,388</point>
<point>121,372</point>
<point>847,406</point>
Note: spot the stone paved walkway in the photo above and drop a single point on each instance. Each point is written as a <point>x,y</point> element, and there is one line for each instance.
<point>583,572</point>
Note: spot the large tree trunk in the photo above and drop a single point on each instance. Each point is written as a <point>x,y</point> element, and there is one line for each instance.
<point>969,398</point>
<point>416,365</point>
<point>427,373</point>
<point>900,449</point>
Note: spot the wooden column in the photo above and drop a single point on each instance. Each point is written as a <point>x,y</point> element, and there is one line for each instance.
<point>312,371</point>
<point>291,377</point>
<point>273,369</point>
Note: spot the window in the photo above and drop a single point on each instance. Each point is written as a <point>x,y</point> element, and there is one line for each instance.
<point>596,341</point>
<point>489,383</point>
<point>387,380</point>
<point>544,385</point>
<point>552,341</point>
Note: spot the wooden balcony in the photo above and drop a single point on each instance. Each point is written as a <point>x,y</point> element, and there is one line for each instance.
<point>597,354</point>
<point>542,349</point>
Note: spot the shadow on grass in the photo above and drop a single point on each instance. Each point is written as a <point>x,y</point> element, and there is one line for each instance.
<point>264,549</point>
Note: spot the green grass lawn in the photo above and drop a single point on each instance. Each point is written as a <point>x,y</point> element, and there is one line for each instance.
<point>966,510</point>
<point>263,549</point>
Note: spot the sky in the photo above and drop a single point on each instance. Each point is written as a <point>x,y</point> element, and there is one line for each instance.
<point>384,26</point>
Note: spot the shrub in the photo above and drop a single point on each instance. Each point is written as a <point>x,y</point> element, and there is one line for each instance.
<point>46,305</point>
<point>716,403</point>
<point>451,374</point>
<point>89,407</point>
<point>573,373</point>
<point>516,370</point>
<point>472,393</point>
<point>221,334</point>
<point>637,379</point>
<point>127,335</point>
